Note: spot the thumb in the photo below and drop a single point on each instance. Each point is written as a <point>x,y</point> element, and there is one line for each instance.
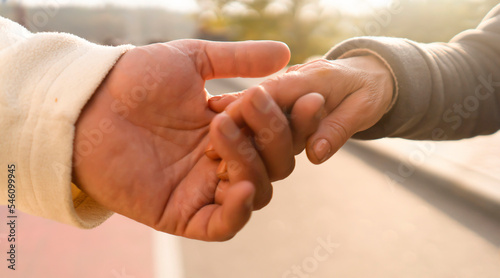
<point>239,59</point>
<point>352,115</point>
<point>219,103</point>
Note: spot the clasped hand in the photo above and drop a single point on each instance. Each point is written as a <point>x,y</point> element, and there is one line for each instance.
<point>152,166</point>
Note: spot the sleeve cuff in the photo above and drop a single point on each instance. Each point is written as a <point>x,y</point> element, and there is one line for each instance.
<point>366,52</point>
<point>47,79</point>
<point>411,74</point>
<point>70,91</point>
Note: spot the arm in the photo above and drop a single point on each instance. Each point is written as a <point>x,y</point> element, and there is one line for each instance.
<point>45,80</point>
<point>444,91</point>
<point>377,87</point>
<point>139,141</point>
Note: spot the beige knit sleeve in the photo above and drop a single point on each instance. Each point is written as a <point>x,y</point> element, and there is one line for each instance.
<point>444,91</point>
<point>45,81</point>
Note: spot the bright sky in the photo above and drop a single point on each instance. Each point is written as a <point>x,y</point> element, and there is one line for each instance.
<point>190,5</point>
<point>179,5</point>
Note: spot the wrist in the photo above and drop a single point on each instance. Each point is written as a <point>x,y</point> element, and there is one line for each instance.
<point>91,128</point>
<point>379,63</point>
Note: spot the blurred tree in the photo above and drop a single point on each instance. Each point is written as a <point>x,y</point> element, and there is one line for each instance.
<point>435,21</point>
<point>307,26</point>
<point>309,29</point>
<point>302,24</point>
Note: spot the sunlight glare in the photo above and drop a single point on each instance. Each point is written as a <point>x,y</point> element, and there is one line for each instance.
<point>356,6</point>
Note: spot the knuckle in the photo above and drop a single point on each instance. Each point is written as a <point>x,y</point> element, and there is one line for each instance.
<point>299,146</point>
<point>264,198</point>
<point>283,172</point>
<point>294,68</point>
<point>323,62</point>
<point>280,80</point>
<point>338,130</point>
<point>370,98</point>
<point>204,64</point>
<point>225,236</point>
<point>274,82</point>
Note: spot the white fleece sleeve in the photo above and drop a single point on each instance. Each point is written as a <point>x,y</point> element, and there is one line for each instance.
<point>45,81</point>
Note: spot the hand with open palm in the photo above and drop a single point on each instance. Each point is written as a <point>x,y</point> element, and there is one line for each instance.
<point>149,125</point>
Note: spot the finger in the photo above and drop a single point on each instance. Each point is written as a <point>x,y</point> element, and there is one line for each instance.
<point>220,102</point>
<point>211,153</point>
<point>240,59</point>
<point>306,115</point>
<point>222,189</point>
<point>271,132</point>
<point>333,82</point>
<point>288,88</point>
<point>222,222</point>
<point>243,160</point>
<point>340,125</point>
<point>222,171</point>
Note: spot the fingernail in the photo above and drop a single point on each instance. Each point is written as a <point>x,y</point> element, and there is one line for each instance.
<point>228,127</point>
<point>221,172</point>
<point>211,153</point>
<point>216,98</point>
<point>262,101</point>
<point>322,149</point>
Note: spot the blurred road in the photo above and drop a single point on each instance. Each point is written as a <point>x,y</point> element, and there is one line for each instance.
<point>377,228</point>
<point>346,218</point>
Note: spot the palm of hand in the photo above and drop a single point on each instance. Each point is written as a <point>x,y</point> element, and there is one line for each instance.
<point>149,164</point>
<point>155,168</point>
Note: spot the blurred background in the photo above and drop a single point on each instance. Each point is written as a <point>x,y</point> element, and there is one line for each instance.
<point>384,208</point>
<point>309,27</point>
